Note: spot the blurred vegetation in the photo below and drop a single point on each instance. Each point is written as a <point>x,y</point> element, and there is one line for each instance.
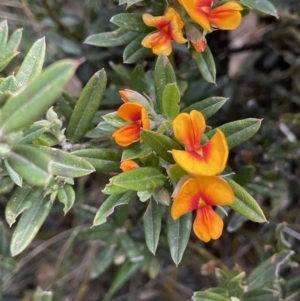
<point>258,69</point>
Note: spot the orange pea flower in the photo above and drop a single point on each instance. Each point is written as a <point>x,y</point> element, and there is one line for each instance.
<point>208,159</point>
<point>127,165</point>
<point>201,193</point>
<point>138,116</point>
<point>169,28</point>
<point>227,16</point>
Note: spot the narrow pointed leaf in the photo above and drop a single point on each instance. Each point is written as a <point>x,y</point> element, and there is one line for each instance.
<point>31,164</point>
<point>14,41</point>
<point>178,235</point>
<point>67,165</point>
<point>130,21</point>
<point>206,64</point>
<point>29,225</point>
<point>25,107</point>
<point>245,204</point>
<point>13,174</point>
<point>237,132</point>
<point>109,205</point>
<point>160,144</point>
<point>66,195</point>
<point>66,104</point>
<point>134,51</point>
<point>21,199</point>
<point>86,106</point>
<point>9,84</point>
<point>208,106</point>
<point>152,225</point>
<point>103,160</point>
<point>115,38</point>
<point>32,64</point>
<point>137,80</point>
<point>6,57</point>
<point>163,74</point>
<point>3,35</point>
<point>264,294</point>
<point>32,133</point>
<point>143,178</point>
<point>268,270</point>
<point>170,100</point>
<point>264,6</point>
<point>208,296</point>
<point>136,150</point>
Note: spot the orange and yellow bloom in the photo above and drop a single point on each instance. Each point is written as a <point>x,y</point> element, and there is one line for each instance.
<point>208,159</point>
<point>227,16</point>
<point>138,118</point>
<point>201,193</point>
<point>169,28</point>
<point>128,165</point>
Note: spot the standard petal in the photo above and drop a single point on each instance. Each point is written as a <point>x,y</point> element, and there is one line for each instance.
<point>199,11</point>
<point>127,134</point>
<point>158,22</point>
<point>227,16</point>
<point>189,128</point>
<point>208,224</point>
<point>130,111</point>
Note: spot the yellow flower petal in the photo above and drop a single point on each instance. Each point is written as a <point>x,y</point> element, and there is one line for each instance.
<point>199,11</point>
<point>208,224</point>
<point>208,160</point>
<point>200,192</point>
<point>227,16</point>
<point>127,134</point>
<point>189,128</point>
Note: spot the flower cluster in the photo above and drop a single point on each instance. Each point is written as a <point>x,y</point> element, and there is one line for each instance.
<point>200,189</point>
<point>201,12</point>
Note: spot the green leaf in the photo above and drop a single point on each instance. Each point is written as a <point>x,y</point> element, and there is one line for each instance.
<point>160,144</point>
<point>130,247</point>
<point>40,295</point>
<point>6,57</point>
<point>162,196</point>
<point>8,264</point>
<point>9,84</point>
<point>66,195</point>
<point>290,118</point>
<point>268,270</point>
<point>264,294</point>
<point>3,35</point>
<point>236,132</point>
<point>170,100</point>
<point>236,287</point>
<point>208,106</point>
<point>178,235</point>
<point>245,204</point>
<point>32,64</point>
<point>114,120</point>
<point>103,232</point>
<point>46,139</point>
<point>143,178</point>
<point>137,80</point>
<point>21,199</point>
<point>25,107</point>
<point>29,225</point>
<point>135,151</point>
<point>14,40</point>
<point>264,6</point>
<point>13,174</point>
<point>67,165</point>
<point>152,225</point>
<point>109,205</point>
<point>103,160</point>
<point>31,164</point>
<point>86,106</point>
<point>66,104</point>
<point>32,133</point>
<point>115,38</point>
<point>134,51</point>
<point>4,246</point>
<point>130,21</point>
<point>205,63</point>
<point>6,185</point>
<point>163,74</point>
<point>208,296</point>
